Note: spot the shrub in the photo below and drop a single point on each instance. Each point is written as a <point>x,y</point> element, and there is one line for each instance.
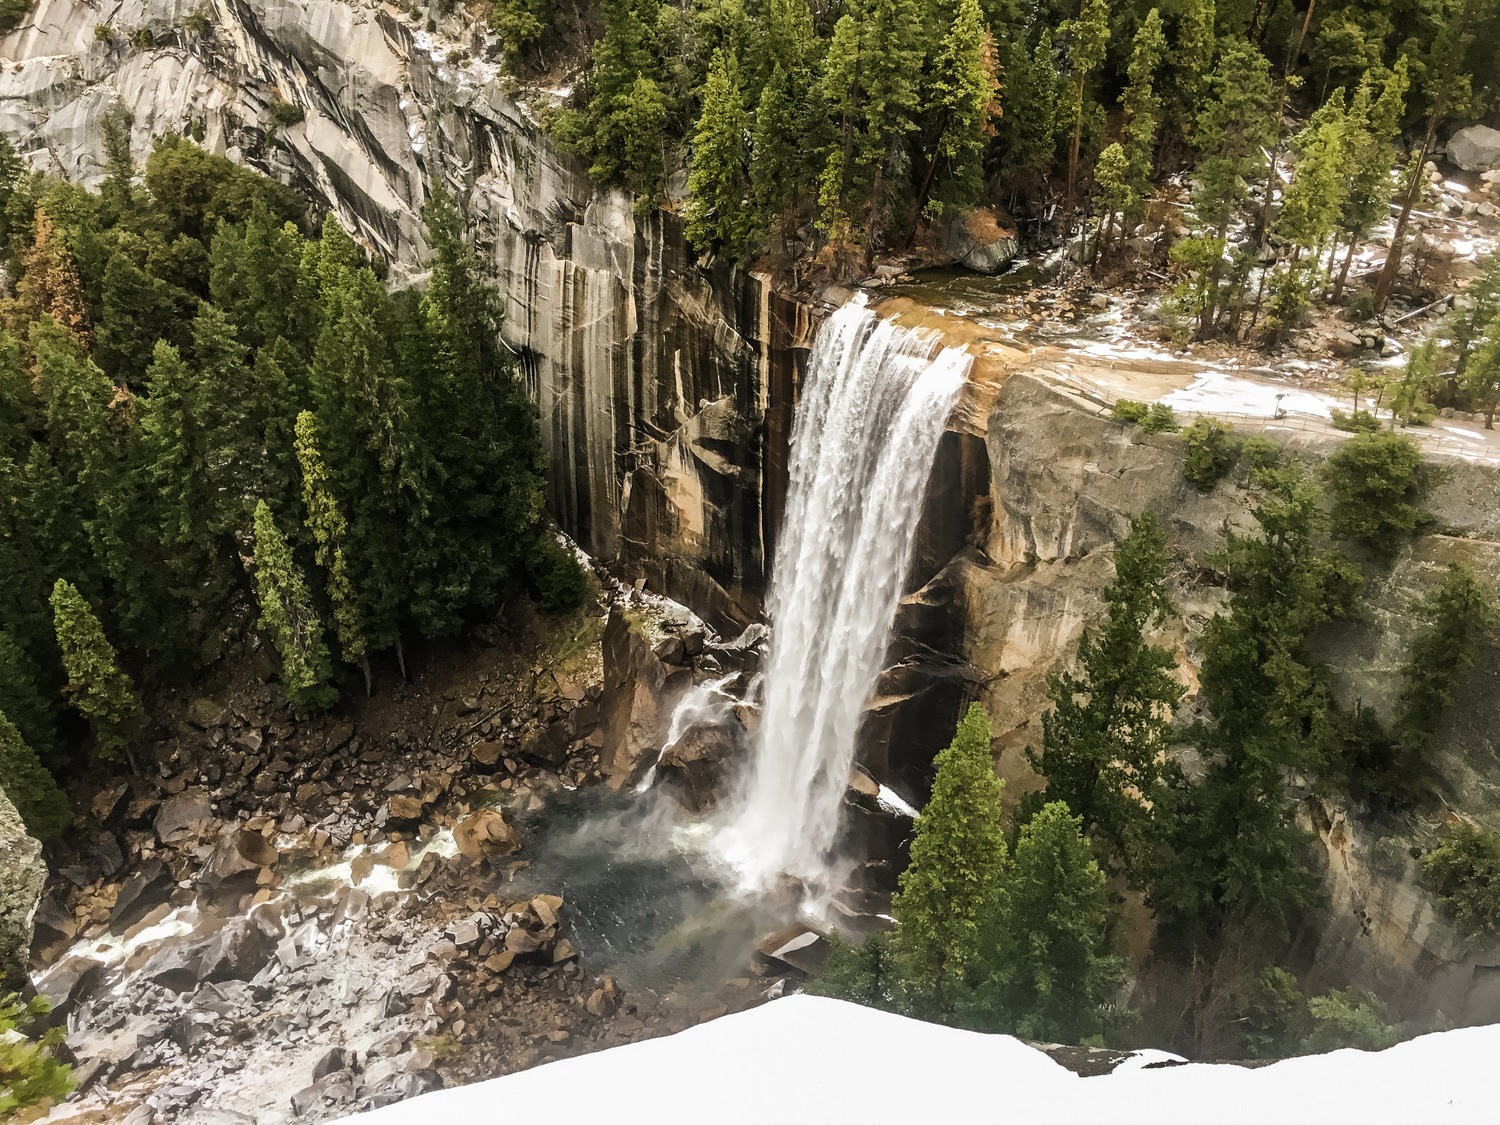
<point>283,114</point>
<point>1160,419</point>
<point>1361,306</point>
<point>1210,454</point>
<point>29,1072</point>
<point>1465,874</point>
<point>1154,418</point>
<point>561,583</point>
<point>861,974</point>
<point>1257,454</point>
<point>12,12</point>
<point>1360,422</point>
<point>1271,1014</point>
<point>1348,1019</point>
<point>1377,481</point>
<point>103,33</point>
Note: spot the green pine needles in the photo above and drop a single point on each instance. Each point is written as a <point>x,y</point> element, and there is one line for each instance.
<point>1006,943</point>
<point>97,686</point>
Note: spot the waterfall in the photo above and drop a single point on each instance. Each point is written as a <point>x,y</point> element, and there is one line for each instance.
<point>873,407</point>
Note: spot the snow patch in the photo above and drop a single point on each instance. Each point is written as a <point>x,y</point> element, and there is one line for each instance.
<point>810,1059</point>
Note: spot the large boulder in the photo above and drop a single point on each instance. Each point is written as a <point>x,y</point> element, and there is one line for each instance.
<point>184,817</point>
<point>485,833</point>
<point>22,874</point>
<point>980,241</point>
<point>1475,148</point>
<point>240,852</point>
<point>640,693</point>
<point>696,766</point>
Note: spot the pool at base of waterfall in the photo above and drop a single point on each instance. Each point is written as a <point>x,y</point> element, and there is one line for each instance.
<point>645,901</point>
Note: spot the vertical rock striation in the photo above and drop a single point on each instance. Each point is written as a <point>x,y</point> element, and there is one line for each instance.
<point>653,377</point>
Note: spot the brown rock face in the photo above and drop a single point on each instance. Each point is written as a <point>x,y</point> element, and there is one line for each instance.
<point>240,852</point>
<point>696,767</point>
<point>486,833</point>
<point>640,693</point>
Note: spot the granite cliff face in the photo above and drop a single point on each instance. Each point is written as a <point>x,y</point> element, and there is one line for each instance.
<point>664,389</point>
<point>1065,482</point>
<point>22,874</point>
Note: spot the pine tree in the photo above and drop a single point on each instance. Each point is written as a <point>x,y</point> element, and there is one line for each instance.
<point>136,310</point>
<point>1445,83</point>
<point>783,176</point>
<point>951,884</point>
<point>482,441</point>
<point>1050,969</point>
<point>50,285</point>
<point>1481,374</point>
<point>1034,98</point>
<point>1142,104</point>
<point>1104,741</point>
<point>330,533</point>
<point>1112,177</point>
<point>97,687</point>
<point>1227,881</point>
<point>1461,617</point>
<point>1377,481</point>
<point>717,215</point>
<point>1314,199</point>
<point>1191,62</point>
<point>22,698</point>
<point>962,106</point>
<point>870,82</point>
<point>37,797</point>
<point>1375,124</point>
<point>1473,312</point>
<point>1231,132</point>
<point>288,617</point>
<point>1087,37</point>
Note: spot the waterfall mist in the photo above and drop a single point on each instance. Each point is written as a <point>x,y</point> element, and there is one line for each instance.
<point>873,408</point>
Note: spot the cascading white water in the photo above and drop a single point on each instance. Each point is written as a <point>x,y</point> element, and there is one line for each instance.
<point>873,408</point>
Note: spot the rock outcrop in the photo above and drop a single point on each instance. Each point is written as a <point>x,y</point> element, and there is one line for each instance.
<point>1475,148</point>
<point>22,874</point>
<point>664,387</point>
<point>1066,481</point>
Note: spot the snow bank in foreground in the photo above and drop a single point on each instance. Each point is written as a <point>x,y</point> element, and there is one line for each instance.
<point>804,1059</point>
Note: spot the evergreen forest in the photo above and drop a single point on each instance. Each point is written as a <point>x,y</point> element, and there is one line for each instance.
<point>216,417</point>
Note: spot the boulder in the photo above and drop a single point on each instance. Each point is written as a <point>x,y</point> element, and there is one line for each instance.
<point>337,1059</point>
<point>404,809</point>
<point>980,241</point>
<point>147,889</point>
<point>487,755</point>
<point>175,966</point>
<point>22,874</point>
<point>640,694</point>
<point>236,952</point>
<point>184,817</point>
<point>486,832</point>
<point>695,767</point>
<point>242,851</point>
<point>1475,148</point>
<point>206,714</point>
<point>546,746</point>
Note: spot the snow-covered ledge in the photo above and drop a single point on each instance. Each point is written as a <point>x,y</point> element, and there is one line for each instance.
<point>825,1062</point>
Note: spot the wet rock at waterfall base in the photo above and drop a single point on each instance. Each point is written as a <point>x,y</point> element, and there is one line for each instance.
<point>486,833</point>
<point>698,765</point>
